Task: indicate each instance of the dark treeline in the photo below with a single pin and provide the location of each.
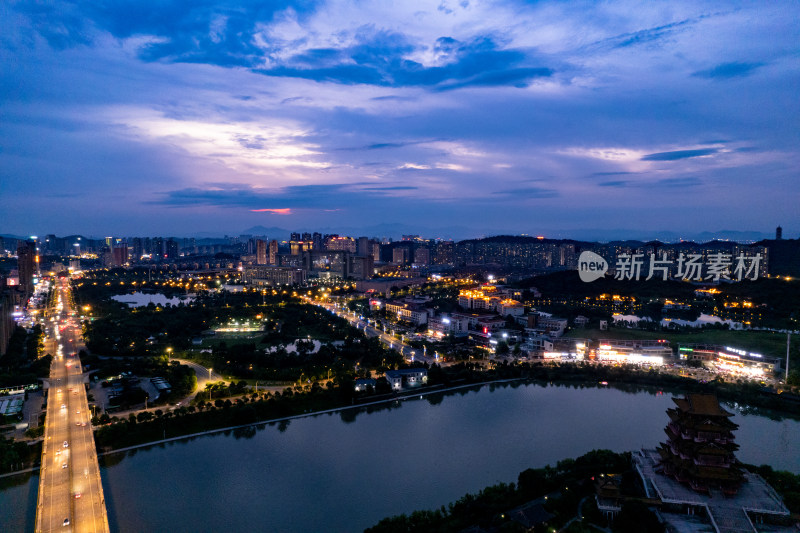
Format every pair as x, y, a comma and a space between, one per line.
339, 393
17, 455
558, 489
221, 413
22, 363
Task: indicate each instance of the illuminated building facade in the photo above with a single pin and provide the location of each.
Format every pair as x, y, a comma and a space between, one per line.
400, 255
272, 275
422, 256
344, 244
440, 326
119, 255
406, 377
273, 252
641, 352
261, 252
27, 261
730, 360
408, 312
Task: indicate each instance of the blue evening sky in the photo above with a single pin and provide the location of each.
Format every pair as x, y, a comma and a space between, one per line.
182, 116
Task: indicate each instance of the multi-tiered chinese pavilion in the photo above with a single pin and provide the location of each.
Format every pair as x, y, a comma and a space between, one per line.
700, 446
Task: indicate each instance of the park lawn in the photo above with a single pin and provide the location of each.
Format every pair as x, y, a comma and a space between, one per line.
764, 342
232, 339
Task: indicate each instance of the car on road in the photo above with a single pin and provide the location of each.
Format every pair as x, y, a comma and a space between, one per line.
77, 495
63, 465
66, 521
66, 444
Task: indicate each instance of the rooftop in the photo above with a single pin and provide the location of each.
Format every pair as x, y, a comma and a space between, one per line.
701, 404
728, 514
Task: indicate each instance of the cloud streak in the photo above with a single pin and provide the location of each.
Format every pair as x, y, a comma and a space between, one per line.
680, 154
729, 70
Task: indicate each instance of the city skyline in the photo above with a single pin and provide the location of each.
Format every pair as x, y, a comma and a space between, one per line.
492, 117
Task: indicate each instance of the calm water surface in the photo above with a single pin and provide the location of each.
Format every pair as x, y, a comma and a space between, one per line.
346, 471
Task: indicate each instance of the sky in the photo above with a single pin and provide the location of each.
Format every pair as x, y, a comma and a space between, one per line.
178, 117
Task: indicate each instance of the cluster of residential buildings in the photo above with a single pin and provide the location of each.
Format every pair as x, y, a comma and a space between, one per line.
366, 257
483, 317
374, 263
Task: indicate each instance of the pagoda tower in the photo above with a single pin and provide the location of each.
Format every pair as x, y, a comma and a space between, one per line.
700, 445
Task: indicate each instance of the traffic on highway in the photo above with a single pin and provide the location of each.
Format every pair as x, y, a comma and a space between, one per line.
70, 491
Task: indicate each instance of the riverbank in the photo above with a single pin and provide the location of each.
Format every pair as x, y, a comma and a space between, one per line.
399, 397
130, 434
396, 457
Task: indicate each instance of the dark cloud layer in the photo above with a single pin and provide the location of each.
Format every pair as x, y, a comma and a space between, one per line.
504, 114
729, 70
679, 154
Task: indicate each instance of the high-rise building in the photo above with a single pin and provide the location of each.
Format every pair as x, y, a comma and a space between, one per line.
106, 256
422, 256
6, 318
778, 233
27, 262
444, 253
189, 245
157, 248
400, 255
119, 255
273, 252
363, 246
171, 250
337, 243
138, 249
261, 252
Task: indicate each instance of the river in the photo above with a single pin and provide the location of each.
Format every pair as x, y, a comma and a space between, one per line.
346, 471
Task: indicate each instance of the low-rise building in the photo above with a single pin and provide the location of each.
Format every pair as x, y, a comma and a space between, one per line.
448, 325
406, 378
273, 275
510, 307
363, 383
647, 352
414, 313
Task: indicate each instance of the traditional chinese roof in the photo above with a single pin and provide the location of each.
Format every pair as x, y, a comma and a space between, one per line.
701, 404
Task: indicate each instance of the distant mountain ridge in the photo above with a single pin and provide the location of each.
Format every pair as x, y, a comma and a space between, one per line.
458, 233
